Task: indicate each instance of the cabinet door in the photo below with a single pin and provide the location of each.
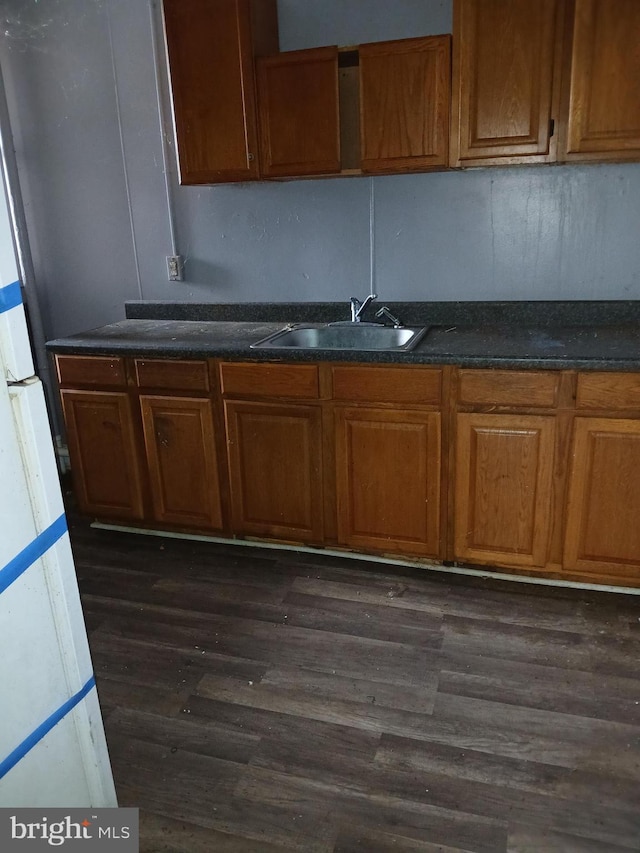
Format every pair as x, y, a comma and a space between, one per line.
603, 529
103, 453
275, 470
504, 466
181, 458
405, 90
299, 112
505, 56
388, 479
604, 86
210, 50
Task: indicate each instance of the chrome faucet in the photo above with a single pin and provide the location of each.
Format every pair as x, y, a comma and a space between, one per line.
357, 307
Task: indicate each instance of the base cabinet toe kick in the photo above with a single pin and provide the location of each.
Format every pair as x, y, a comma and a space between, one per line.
529, 472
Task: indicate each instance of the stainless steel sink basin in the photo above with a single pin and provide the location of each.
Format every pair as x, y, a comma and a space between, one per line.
344, 336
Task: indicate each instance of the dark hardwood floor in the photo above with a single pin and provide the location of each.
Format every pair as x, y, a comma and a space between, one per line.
258, 701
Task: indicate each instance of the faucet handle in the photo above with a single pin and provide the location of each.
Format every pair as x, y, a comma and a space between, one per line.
384, 312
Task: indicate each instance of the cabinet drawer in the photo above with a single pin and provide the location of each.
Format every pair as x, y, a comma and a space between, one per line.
173, 375
387, 384
508, 388
608, 391
298, 381
90, 370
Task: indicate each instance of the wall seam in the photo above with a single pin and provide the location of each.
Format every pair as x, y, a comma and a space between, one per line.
125, 171
162, 121
372, 238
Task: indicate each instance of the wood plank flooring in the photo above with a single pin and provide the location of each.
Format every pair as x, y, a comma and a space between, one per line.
260, 701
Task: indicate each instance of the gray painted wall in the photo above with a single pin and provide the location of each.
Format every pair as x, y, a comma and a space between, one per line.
81, 84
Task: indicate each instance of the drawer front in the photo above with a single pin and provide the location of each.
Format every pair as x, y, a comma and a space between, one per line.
90, 370
297, 381
608, 391
508, 388
173, 375
387, 385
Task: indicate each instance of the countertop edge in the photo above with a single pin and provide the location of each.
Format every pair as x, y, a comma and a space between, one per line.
245, 353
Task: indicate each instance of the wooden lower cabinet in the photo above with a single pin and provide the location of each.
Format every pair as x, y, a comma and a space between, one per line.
603, 516
181, 460
388, 479
103, 453
357, 455
503, 490
275, 469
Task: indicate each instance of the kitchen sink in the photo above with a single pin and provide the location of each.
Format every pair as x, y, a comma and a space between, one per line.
344, 336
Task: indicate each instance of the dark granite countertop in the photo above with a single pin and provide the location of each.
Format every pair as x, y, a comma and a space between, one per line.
591, 336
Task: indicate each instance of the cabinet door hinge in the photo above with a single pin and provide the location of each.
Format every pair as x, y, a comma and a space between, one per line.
552, 127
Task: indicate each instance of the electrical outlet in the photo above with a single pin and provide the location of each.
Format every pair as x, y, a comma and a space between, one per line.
174, 267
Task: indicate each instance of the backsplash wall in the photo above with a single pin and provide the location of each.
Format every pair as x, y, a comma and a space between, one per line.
81, 83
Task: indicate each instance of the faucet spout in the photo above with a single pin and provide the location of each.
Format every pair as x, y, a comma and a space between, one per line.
358, 308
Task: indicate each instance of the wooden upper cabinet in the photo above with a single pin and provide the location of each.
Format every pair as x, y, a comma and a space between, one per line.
505, 80
211, 45
299, 112
405, 93
532, 81
602, 94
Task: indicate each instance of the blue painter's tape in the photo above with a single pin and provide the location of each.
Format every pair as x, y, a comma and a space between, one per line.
44, 728
10, 296
32, 552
